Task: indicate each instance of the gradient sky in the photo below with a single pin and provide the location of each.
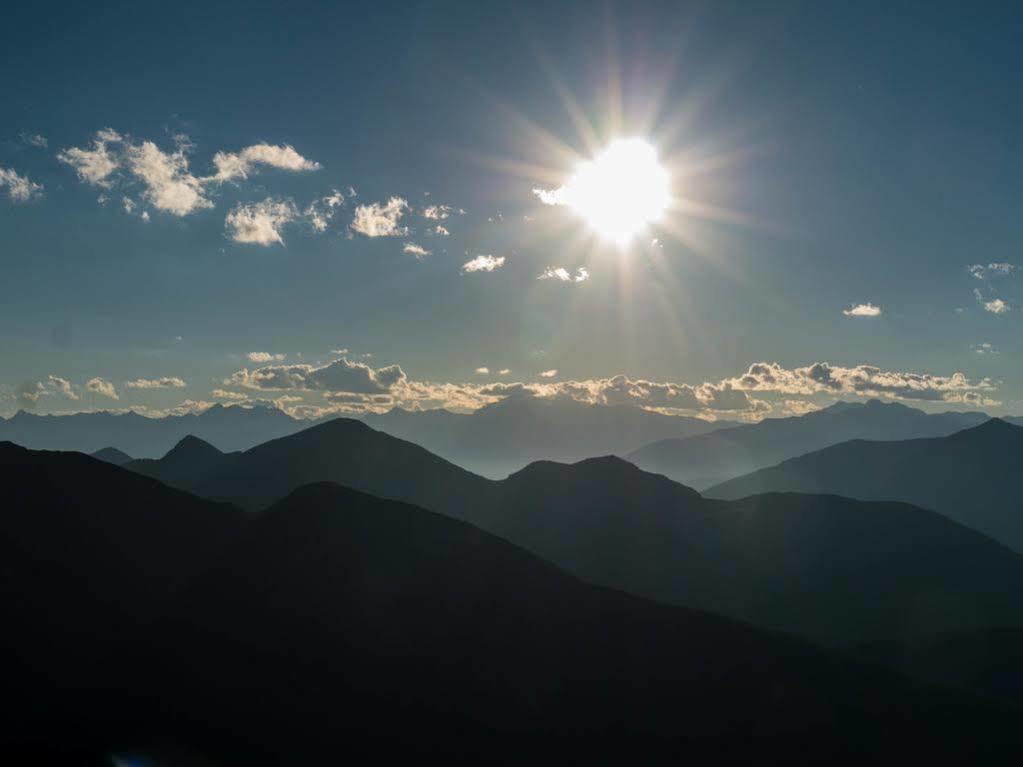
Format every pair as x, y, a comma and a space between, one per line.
829, 156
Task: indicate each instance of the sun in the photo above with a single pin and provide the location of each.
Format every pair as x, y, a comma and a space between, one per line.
620, 192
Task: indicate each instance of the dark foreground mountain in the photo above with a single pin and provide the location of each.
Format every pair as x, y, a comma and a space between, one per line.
969, 476
708, 459
112, 455
501, 438
337, 625
229, 428
829, 568
989, 662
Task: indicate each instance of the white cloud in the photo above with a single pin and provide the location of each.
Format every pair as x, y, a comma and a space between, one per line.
94, 166
238, 165
862, 380
228, 395
101, 386
862, 310
320, 212
260, 223
437, 212
998, 269
166, 179
441, 231
985, 348
169, 186
380, 219
484, 263
339, 375
19, 188
483, 371
415, 250
799, 407
62, 386
167, 382
995, 305
261, 357
563, 275
352, 388
503, 371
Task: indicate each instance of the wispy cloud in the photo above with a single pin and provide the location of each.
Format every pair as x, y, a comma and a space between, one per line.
167, 182
994, 305
34, 139
862, 310
95, 165
19, 188
102, 386
240, 165
262, 357
320, 212
415, 250
437, 212
381, 219
260, 223
483, 263
167, 382
560, 274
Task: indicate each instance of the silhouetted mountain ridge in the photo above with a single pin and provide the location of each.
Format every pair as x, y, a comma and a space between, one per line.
708, 459
969, 476
232, 427
335, 620
777, 560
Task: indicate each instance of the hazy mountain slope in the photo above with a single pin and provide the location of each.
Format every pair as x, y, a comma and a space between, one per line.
229, 428
112, 455
794, 562
711, 458
503, 437
969, 476
336, 622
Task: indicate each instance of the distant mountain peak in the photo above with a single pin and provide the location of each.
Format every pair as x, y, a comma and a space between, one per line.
988, 429
192, 448
112, 455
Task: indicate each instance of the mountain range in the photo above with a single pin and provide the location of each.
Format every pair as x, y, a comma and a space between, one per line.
505, 436
232, 427
833, 569
968, 476
339, 624
708, 459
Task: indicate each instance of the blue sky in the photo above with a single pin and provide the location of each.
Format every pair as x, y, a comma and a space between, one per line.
829, 157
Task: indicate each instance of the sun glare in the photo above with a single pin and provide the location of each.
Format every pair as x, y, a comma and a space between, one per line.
620, 192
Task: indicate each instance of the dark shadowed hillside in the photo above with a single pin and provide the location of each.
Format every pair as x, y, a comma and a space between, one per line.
969, 476
392, 619
336, 622
91, 551
501, 438
786, 561
229, 428
711, 458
